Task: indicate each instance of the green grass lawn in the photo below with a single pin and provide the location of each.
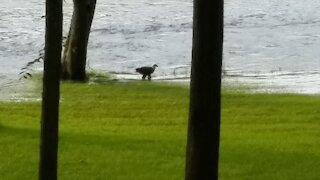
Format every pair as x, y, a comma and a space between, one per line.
137, 131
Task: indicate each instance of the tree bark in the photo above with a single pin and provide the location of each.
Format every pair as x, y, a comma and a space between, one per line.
75, 51
205, 89
51, 92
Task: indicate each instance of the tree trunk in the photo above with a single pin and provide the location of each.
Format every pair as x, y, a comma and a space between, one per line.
75, 51
51, 92
205, 99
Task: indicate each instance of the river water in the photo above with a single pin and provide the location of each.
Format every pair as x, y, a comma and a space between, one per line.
270, 44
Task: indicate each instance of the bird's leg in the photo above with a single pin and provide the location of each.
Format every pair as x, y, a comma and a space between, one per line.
149, 76
144, 77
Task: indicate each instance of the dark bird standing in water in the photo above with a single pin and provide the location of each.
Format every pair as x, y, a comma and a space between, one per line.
146, 71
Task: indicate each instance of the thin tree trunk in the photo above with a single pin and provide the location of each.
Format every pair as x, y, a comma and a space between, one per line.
51, 92
205, 99
75, 51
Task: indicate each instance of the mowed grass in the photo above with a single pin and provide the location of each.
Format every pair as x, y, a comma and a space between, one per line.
137, 131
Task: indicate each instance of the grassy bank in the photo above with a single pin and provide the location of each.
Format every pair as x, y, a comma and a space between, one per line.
137, 131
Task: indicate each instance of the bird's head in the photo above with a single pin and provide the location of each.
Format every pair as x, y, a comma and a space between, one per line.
154, 66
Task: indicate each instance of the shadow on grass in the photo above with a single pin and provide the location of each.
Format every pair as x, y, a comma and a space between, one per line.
120, 152
111, 142
16, 131
260, 163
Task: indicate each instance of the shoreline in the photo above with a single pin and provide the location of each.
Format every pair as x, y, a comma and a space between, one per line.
15, 90
254, 83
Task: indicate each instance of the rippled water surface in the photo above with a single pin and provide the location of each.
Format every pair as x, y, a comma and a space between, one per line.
273, 44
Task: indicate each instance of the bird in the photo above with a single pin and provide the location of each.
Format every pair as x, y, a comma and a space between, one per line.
146, 71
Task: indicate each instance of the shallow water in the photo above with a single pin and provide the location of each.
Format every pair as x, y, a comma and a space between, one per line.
271, 44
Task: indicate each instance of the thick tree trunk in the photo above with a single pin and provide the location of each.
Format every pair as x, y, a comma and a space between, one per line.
75, 51
205, 99
51, 92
